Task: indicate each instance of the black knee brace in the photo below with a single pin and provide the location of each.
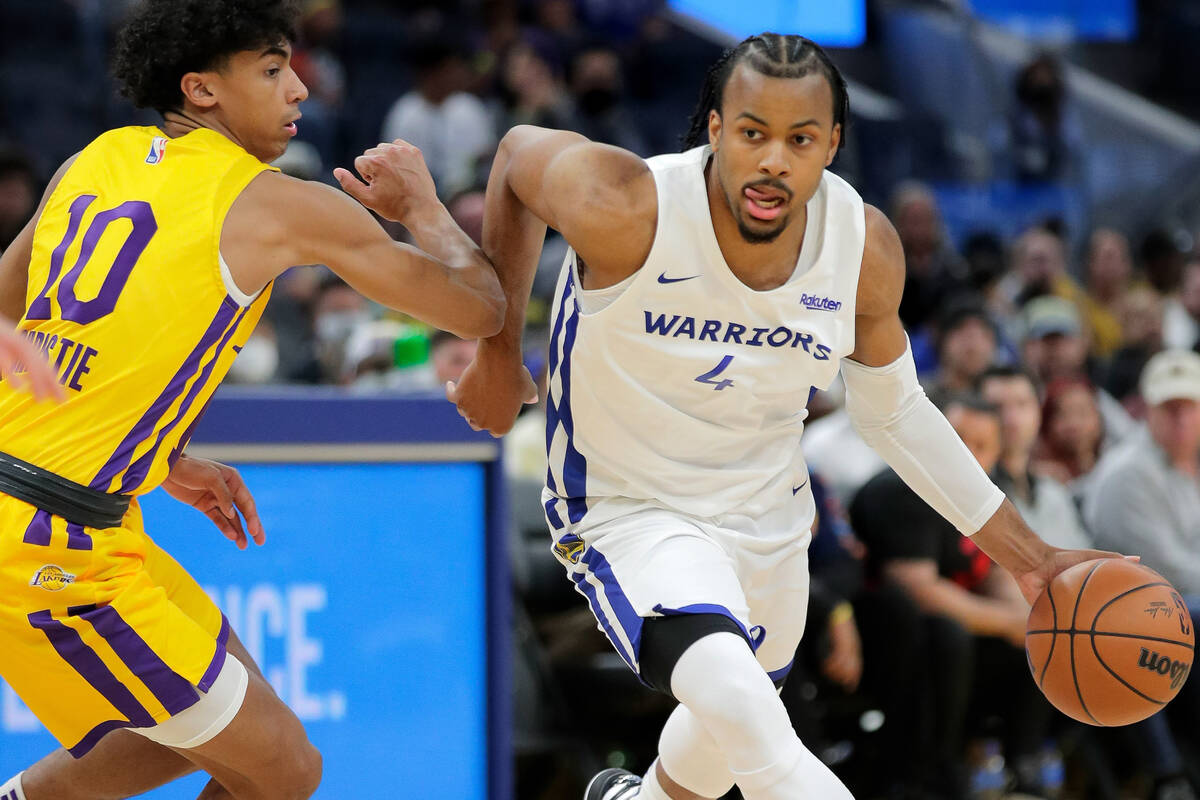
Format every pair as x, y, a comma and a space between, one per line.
664, 640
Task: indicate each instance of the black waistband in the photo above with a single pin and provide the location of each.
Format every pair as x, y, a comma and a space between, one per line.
59, 496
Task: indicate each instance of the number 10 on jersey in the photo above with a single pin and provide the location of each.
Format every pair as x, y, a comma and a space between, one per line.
710, 376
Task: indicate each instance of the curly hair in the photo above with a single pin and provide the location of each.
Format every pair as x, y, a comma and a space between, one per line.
163, 40
774, 55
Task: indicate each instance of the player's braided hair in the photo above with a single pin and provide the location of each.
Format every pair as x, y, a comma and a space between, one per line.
163, 40
774, 55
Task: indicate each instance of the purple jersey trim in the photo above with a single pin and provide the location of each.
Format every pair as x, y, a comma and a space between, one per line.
93, 737
218, 660
141, 431
139, 469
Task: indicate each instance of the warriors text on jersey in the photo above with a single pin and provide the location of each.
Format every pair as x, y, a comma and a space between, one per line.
681, 386
127, 299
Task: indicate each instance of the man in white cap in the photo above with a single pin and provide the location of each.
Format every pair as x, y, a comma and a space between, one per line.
1146, 495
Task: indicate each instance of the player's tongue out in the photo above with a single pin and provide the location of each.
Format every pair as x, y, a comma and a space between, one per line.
764, 204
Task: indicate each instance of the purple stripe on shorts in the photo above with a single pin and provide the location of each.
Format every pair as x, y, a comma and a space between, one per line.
77, 538
169, 687
70, 646
141, 431
713, 608
137, 472
218, 661
93, 737
38, 532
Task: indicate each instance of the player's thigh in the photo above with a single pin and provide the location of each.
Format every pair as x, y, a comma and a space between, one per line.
653, 564
777, 593
263, 749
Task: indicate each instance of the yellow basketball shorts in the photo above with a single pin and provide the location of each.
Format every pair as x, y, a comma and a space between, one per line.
100, 629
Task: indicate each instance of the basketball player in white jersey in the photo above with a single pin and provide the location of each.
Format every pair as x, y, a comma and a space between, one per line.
705, 296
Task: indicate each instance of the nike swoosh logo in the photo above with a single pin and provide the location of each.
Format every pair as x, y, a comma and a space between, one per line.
664, 279
796, 489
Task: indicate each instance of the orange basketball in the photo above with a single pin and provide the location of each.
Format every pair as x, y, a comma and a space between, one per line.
1109, 642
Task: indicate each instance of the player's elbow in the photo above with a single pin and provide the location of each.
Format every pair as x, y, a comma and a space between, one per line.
486, 317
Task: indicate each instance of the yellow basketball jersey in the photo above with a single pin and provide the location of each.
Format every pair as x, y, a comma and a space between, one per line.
126, 298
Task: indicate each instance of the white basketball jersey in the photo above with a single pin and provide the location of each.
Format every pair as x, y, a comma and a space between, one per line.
688, 389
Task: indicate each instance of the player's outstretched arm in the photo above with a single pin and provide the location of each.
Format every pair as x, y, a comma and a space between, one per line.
892, 414
279, 222
603, 201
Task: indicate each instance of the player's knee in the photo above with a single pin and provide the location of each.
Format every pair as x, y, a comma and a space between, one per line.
297, 773
666, 639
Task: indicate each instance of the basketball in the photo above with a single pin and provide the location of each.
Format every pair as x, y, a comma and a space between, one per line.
1109, 642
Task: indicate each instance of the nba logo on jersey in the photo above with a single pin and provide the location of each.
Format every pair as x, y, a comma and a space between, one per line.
158, 150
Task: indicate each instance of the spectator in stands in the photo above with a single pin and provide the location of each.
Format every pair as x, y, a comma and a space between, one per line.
1108, 268
449, 356
1145, 498
338, 313
1072, 433
934, 271
597, 92
317, 64
975, 612
1141, 317
967, 345
530, 91
1163, 258
451, 126
1044, 503
1040, 268
19, 193
466, 208
1146, 495
1046, 142
1054, 346
1189, 295
558, 24
291, 314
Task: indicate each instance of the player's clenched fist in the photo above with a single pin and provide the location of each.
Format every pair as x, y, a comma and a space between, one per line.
491, 391
395, 181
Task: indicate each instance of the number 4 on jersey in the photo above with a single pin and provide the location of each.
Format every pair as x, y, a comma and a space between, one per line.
713, 373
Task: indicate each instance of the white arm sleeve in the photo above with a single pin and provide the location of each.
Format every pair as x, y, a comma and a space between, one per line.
890, 411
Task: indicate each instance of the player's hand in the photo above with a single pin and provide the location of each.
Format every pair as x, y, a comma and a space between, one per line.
844, 663
395, 181
491, 391
219, 492
35, 372
1034, 581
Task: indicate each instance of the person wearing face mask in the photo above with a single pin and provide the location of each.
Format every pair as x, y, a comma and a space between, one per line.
599, 111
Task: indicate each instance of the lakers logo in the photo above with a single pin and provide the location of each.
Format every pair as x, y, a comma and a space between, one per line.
52, 578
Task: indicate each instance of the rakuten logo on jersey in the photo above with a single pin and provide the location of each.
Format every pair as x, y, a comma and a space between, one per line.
815, 303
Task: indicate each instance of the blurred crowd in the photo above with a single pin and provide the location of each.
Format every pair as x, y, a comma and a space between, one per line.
1071, 372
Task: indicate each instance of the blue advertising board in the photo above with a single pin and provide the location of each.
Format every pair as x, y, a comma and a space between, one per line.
367, 609
837, 24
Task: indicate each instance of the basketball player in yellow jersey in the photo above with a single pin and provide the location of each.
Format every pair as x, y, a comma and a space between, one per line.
143, 272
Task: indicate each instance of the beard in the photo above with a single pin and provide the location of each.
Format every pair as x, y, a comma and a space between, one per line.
752, 236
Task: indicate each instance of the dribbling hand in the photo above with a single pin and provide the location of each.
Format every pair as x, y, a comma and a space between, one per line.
36, 373
1034, 581
395, 181
219, 492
